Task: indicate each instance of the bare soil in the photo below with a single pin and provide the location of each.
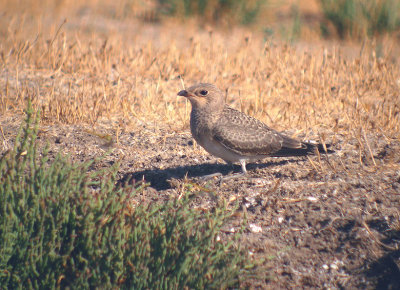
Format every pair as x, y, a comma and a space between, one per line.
319, 222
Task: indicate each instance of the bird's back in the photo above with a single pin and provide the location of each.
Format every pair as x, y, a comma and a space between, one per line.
245, 134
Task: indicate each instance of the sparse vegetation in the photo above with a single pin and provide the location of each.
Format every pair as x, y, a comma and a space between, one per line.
105, 80
360, 18
215, 11
61, 226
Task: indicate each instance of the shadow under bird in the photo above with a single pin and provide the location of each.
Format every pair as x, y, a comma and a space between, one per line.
234, 136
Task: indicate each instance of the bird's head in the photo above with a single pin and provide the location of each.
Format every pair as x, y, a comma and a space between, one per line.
204, 96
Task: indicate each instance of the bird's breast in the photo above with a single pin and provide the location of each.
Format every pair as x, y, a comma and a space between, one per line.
217, 149
200, 124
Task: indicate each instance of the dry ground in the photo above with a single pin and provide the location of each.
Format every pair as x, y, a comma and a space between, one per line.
104, 84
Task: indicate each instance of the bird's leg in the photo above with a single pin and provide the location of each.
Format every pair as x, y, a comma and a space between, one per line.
243, 164
235, 175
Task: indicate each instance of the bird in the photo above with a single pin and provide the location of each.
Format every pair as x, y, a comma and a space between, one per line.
234, 136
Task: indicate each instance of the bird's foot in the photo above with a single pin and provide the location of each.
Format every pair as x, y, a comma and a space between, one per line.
233, 176
210, 176
221, 177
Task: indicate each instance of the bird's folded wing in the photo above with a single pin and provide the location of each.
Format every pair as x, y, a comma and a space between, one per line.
248, 140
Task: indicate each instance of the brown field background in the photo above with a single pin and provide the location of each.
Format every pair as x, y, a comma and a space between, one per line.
114, 64
78, 65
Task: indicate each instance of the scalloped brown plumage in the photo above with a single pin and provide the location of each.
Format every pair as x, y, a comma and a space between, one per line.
234, 136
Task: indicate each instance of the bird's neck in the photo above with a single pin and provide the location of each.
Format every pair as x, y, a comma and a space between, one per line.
206, 114
202, 121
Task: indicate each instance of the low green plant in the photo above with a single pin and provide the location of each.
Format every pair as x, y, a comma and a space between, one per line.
360, 18
63, 226
229, 11
292, 31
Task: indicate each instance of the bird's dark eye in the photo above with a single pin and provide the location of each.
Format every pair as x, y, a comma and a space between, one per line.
203, 92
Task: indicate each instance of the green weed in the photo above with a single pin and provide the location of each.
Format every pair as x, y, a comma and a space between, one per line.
360, 18
229, 11
61, 226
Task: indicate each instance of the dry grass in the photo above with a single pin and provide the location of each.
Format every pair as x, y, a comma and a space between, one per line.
103, 67
92, 68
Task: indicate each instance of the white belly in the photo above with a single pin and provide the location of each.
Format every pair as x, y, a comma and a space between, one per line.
216, 149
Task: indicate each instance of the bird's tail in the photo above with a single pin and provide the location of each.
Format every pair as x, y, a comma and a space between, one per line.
305, 149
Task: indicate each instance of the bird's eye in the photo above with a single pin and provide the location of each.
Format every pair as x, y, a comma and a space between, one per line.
203, 92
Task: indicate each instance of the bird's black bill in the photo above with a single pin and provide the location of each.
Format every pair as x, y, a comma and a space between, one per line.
183, 93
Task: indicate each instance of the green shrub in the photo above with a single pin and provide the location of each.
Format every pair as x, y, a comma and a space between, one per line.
61, 226
229, 11
359, 18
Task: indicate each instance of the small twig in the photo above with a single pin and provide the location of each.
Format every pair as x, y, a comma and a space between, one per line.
275, 188
326, 155
57, 32
369, 148
377, 240
53, 39
5, 144
312, 163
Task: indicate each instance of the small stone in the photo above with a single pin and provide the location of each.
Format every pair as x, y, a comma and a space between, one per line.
312, 199
255, 228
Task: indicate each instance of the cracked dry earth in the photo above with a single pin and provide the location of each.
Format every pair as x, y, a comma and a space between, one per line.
328, 222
